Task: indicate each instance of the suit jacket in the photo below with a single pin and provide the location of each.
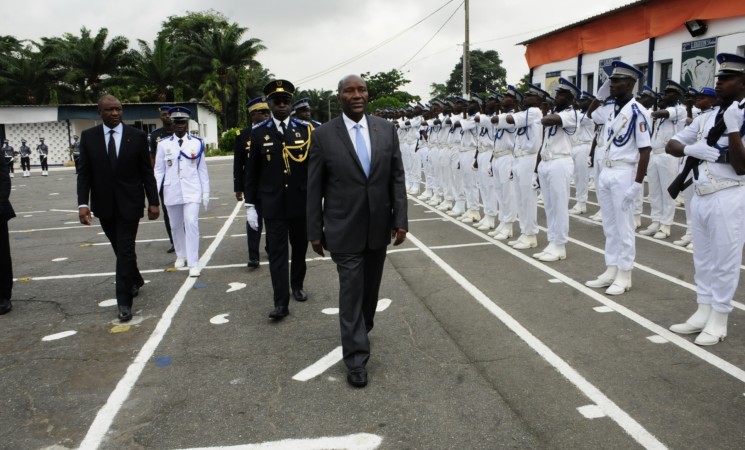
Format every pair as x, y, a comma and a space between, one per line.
276, 171
121, 192
346, 209
6, 209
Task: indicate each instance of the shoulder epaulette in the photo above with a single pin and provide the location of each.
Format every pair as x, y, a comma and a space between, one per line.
300, 122
267, 123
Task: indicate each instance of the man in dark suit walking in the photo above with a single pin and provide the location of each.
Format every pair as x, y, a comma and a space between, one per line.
115, 175
6, 265
356, 205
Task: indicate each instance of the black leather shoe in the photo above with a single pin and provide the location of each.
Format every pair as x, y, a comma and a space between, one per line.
253, 264
125, 313
357, 377
171, 250
299, 295
135, 291
5, 306
279, 313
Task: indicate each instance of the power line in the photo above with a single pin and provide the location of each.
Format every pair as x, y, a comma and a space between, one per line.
433, 36
368, 51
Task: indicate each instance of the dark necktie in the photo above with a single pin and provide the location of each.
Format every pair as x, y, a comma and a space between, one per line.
284, 127
112, 149
180, 141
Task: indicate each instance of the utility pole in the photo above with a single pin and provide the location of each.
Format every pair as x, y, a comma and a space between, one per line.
466, 59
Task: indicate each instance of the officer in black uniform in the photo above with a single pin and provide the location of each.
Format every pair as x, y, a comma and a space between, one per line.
43, 151
276, 178
6, 264
75, 147
301, 110
9, 153
258, 111
156, 136
25, 152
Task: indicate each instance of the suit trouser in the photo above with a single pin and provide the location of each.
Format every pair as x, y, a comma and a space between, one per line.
253, 237
525, 196
359, 283
11, 164
504, 188
121, 234
581, 171
26, 163
44, 162
277, 232
166, 218
487, 184
618, 224
554, 177
6, 265
718, 228
661, 172
185, 222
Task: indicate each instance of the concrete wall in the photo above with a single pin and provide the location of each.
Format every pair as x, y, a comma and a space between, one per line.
54, 134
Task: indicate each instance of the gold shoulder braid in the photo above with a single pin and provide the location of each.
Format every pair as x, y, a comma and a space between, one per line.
302, 151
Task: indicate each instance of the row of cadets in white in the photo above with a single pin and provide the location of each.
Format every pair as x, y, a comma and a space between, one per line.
182, 172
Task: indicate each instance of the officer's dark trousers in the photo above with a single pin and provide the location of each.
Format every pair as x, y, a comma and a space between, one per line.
277, 232
25, 163
11, 164
122, 234
43, 161
254, 238
6, 265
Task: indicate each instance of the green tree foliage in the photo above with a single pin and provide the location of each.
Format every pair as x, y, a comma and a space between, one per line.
26, 75
522, 85
486, 73
153, 70
324, 104
384, 90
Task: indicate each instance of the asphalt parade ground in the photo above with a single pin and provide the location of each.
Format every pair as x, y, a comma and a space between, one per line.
476, 345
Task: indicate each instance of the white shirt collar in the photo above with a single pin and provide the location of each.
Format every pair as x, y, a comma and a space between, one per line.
349, 123
117, 129
277, 122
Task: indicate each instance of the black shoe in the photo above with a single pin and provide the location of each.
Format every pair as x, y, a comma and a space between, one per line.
253, 264
357, 377
171, 250
299, 295
279, 312
136, 288
5, 306
125, 313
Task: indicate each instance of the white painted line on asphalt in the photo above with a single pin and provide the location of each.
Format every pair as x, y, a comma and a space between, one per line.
320, 366
235, 287
54, 337
684, 344
32, 230
626, 422
59, 259
554, 280
591, 411
657, 339
383, 304
54, 193
63, 210
603, 309
107, 303
361, 441
220, 319
426, 220
105, 416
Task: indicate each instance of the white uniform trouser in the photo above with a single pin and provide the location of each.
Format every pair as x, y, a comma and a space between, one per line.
415, 168
433, 159
446, 170
487, 184
525, 196
468, 179
718, 227
581, 171
687, 195
504, 188
554, 176
185, 230
661, 172
423, 154
406, 151
618, 225
456, 183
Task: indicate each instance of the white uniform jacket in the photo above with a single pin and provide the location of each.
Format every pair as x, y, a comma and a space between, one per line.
181, 171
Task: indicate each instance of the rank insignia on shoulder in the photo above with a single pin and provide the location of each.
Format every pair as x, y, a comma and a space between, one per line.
297, 135
300, 141
266, 137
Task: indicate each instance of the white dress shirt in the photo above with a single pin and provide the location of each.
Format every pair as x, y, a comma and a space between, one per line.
349, 123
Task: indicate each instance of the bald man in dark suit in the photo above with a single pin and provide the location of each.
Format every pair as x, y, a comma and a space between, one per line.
356, 206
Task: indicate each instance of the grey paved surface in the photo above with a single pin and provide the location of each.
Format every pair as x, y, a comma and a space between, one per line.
480, 347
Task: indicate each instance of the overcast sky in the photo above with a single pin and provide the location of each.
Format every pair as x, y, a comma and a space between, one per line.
304, 38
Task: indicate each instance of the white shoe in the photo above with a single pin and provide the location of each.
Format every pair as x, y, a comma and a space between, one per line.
503, 231
679, 200
684, 240
598, 216
621, 284
195, 271
689, 246
445, 205
458, 210
180, 262
470, 217
695, 323
605, 279
715, 329
653, 228
45, 173
487, 223
663, 232
426, 195
27, 174
11, 175
637, 221
553, 252
525, 241
578, 208
435, 200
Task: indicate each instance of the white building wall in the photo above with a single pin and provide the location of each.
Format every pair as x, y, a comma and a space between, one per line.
208, 126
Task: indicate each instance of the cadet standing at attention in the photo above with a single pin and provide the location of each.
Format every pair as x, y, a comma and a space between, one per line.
156, 136
9, 154
25, 151
276, 178
43, 151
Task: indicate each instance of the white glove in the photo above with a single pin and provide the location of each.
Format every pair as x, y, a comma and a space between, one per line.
701, 151
733, 118
630, 196
205, 199
604, 91
536, 184
252, 217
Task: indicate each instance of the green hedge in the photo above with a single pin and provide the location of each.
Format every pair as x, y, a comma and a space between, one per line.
227, 140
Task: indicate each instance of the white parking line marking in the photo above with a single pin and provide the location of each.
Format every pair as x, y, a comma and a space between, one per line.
626, 422
591, 411
107, 303
320, 366
220, 319
361, 441
603, 309
54, 337
657, 339
235, 287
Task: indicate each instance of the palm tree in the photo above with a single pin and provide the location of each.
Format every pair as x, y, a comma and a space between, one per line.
26, 77
224, 51
153, 70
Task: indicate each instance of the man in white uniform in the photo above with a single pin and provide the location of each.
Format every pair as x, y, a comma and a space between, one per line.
664, 167
718, 206
555, 167
469, 144
626, 149
581, 142
503, 162
486, 179
181, 170
599, 112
